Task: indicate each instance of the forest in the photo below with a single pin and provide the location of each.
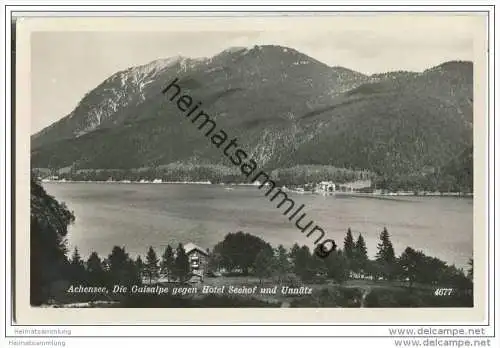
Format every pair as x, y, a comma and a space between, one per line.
455, 176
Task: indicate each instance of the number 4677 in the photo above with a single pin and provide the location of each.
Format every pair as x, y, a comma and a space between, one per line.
443, 292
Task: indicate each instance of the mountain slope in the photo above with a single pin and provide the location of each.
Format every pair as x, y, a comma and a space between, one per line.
284, 107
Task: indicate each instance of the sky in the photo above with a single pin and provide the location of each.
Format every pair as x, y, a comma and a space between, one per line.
67, 64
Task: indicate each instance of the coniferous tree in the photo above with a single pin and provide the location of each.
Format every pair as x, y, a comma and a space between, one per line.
77, 267
349, 245
151, 267
121, 267
167, 262
117, 259
385, 248
76, 259
282, 263
360, 255
93, 263
139, 266
214, 260
385, 255
182, 267
95, 270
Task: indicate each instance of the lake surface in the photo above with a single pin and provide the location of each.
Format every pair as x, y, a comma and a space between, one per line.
139, 215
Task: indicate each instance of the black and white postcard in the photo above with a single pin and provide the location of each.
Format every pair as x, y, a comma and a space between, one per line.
262, 168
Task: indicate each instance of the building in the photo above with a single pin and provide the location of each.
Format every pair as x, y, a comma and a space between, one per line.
198, 259
325, 187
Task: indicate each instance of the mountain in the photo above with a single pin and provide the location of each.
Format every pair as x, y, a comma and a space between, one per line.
284, 107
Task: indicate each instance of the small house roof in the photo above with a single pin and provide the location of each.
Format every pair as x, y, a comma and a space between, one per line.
189, 247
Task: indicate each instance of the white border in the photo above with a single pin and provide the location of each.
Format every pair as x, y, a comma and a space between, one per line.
225, 330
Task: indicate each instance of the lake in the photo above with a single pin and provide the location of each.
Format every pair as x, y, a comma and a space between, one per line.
139, 215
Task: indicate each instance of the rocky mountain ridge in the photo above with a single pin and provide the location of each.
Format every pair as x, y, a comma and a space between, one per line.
285, 107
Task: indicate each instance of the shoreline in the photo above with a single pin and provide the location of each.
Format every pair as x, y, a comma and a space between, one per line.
336, 193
